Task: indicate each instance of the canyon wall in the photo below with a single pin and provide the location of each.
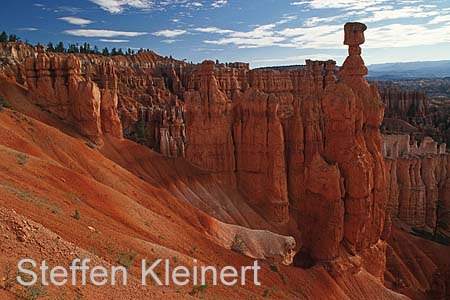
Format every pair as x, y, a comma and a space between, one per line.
404, 104
302, 145
418, 179
413, 112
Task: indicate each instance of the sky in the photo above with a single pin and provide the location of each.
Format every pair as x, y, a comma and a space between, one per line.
261, 32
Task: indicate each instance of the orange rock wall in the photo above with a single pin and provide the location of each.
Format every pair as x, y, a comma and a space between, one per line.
302, 145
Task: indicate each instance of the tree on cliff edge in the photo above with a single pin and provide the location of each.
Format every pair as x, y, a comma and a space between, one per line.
3, 37
13, 38
60, 48
50, 47
141, 132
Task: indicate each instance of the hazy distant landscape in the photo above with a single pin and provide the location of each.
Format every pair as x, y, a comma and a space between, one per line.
410, 70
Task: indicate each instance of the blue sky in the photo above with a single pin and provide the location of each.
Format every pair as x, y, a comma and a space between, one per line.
262, 32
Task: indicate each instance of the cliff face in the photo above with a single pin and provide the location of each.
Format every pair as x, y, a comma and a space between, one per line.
404, 104
57, 86
303, 145
298, 144
418, 179
411, 111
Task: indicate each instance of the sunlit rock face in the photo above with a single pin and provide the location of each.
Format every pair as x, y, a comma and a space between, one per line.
302, 145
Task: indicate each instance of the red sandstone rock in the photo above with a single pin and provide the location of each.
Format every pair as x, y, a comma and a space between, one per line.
417, 180
301, 144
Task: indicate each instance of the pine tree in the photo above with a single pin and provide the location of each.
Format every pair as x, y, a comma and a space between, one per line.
113, 52
60, 47
50, 47
141, 132
120, 52
13, 38
3, 37
105, 51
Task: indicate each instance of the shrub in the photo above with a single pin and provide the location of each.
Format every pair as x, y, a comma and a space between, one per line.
274, 267
33, 293
196, 290
4, 104
238, 245
7, 281
126, 259
266, 294
76, 215
22, 158
141, 132
90, 145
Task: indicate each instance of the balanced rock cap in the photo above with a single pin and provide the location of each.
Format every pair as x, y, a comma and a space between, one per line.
354, 33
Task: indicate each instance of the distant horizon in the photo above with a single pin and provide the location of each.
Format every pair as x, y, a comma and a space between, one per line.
232, 61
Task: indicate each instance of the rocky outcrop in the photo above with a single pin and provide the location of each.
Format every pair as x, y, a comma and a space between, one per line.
412, 111
300, 144
57, 86
405, 104
303, 145
418, 179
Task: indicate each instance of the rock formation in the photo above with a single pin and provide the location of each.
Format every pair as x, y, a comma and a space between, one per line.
56, 85
413, 112
302, 145
298, 144
405, 104
418, 178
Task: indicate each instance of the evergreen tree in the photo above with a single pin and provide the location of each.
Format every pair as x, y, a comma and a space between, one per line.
105, 51
113, 52
120, 52
141, 132
73, 48
3, 37
60, 48
13, 38
50, 47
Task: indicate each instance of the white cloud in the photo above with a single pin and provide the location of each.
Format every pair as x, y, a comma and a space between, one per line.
113, 41
312, 32
347, 4
261, 36
170, 33
102, 33
213, 30
195, 4
243, 42
313, 21
300, 3
170, 41
404, 35
440, 19
401, 13
28, 29
118, 6
76, 21
219, 3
